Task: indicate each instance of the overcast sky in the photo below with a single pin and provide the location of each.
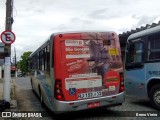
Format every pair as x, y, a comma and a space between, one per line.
35, 20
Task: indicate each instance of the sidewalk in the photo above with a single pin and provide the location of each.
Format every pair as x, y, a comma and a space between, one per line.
13, 102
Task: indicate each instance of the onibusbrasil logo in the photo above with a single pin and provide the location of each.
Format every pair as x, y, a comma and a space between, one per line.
21, 114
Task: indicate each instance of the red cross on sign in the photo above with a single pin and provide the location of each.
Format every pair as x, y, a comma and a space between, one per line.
8, 37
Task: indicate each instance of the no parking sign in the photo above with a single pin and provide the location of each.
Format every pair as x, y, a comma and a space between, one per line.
8, 37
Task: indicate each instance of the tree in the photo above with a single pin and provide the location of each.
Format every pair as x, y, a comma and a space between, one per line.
23, 64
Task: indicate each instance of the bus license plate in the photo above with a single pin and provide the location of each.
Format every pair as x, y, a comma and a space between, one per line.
90, 95
93, 105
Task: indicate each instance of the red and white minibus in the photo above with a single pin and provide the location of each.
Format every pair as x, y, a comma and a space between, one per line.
78, 70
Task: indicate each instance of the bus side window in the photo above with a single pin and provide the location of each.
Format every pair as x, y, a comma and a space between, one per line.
48, 58
154, 47
135, 52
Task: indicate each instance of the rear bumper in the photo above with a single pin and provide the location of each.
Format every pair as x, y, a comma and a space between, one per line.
67, 106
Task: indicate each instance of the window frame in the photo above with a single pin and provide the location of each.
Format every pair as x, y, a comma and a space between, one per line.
139, 64
149, 50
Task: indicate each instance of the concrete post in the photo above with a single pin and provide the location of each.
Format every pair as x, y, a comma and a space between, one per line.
7, 79
7, 65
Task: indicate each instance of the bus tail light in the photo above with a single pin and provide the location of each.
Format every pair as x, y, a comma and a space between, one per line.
58, 90
121, 87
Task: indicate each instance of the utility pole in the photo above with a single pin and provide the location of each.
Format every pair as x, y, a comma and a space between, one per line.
7, 65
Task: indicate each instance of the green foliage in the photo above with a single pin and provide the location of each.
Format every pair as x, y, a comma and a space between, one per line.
23, 64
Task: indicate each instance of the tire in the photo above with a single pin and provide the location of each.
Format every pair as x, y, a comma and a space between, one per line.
154, 96
31, 84
41, 97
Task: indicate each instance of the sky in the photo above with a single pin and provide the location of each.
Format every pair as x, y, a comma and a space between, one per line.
36, 20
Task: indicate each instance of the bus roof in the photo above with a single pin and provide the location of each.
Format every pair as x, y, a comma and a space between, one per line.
72, 32
65, 32
144, 32
39, 48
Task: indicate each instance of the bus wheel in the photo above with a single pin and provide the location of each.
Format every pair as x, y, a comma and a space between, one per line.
155, 96
41, 97
32, 84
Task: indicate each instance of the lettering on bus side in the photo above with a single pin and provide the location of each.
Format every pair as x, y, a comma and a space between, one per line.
154, 72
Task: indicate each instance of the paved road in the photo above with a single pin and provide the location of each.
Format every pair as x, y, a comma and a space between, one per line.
28, 101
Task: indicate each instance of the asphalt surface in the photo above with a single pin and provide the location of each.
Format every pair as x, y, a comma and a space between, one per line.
28, 101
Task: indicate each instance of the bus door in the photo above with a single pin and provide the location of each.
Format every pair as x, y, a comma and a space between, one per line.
135, 69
